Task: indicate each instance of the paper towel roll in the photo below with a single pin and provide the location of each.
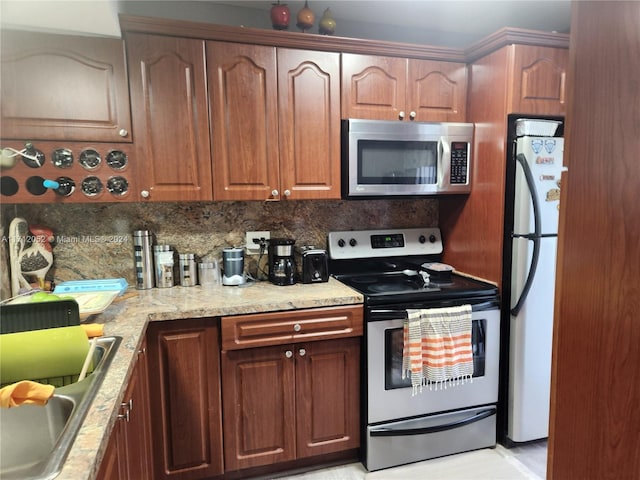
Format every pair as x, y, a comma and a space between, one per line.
53, 352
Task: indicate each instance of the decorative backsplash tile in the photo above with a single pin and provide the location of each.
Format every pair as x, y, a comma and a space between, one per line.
94, 241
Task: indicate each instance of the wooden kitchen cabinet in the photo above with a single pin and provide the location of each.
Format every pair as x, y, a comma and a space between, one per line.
170, 115
63, 88
393, 88
296, 399
275, 129
512, 79
128, 455
184, 392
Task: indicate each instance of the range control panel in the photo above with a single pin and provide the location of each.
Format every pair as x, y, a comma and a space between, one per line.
48, 172
384, 243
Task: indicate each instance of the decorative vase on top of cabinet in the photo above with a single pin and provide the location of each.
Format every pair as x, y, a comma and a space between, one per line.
405, 89
275, 130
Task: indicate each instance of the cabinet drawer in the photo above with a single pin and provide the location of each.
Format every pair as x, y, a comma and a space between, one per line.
263, 329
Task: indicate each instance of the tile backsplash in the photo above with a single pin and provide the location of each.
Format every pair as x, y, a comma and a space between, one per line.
94, 241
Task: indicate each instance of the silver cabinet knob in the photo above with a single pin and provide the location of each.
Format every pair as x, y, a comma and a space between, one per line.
297, 327
123, 132
288, 354
144, 193
412, 115
275, 192
302, 352
287, 193
401, 115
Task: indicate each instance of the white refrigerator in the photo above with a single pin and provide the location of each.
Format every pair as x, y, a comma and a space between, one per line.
538, 168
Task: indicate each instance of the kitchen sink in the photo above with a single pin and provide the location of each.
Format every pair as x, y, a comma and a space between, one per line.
35, 440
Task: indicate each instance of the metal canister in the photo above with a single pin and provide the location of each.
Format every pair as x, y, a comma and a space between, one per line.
188, 275
143, 258
164, 265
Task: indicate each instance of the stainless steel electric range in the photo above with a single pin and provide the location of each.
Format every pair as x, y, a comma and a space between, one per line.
389, 268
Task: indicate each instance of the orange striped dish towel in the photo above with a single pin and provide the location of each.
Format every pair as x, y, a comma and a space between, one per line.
437, 347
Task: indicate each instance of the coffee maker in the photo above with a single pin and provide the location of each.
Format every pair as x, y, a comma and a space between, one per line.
282, 263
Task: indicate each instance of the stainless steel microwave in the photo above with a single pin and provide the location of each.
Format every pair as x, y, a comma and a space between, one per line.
392, 158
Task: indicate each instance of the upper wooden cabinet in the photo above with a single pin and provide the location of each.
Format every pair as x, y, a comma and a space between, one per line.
391, 88
538, 79
275, 129
513, 79
64, 88
170, 116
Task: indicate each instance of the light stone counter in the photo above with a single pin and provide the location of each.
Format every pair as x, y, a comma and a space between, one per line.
127, 317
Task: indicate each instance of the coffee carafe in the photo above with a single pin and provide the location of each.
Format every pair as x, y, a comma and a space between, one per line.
282, 263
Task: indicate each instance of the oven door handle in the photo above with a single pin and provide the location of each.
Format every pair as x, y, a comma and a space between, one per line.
390, 432
392, 314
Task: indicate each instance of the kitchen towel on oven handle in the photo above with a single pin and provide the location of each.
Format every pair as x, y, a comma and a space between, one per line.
437, 347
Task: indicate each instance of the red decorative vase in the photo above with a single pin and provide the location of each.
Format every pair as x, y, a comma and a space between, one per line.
280, 16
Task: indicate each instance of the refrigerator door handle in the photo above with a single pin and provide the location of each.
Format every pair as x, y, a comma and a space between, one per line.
535, 237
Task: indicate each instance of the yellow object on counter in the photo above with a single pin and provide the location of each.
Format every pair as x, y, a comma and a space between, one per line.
25, 392
39, 354
93, 329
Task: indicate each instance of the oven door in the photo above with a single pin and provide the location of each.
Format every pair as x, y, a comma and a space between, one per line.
389, 396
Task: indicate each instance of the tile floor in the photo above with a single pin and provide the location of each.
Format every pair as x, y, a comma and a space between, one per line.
526, 462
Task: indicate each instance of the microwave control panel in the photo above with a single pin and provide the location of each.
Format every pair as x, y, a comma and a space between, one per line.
459, 163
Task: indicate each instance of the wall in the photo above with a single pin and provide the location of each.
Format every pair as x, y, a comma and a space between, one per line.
94, 241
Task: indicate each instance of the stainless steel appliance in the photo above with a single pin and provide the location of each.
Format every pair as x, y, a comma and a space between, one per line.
398, 427
533, 175
389, 158
315, 266
233, 266
282, 262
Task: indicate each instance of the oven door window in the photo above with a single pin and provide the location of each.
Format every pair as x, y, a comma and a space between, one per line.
393, 354
382, 162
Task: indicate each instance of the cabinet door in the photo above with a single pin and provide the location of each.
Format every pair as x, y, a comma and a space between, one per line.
327, 396
539, 80
259, 406
62, 87
137, 424
184, 392
437, 91
170, 116
373, 87
244, 121
113, 465
309, 123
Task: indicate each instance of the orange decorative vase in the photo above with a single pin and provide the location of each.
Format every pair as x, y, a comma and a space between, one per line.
305, 17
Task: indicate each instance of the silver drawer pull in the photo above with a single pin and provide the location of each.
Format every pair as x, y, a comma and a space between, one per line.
288, 354
302, 352
297, 327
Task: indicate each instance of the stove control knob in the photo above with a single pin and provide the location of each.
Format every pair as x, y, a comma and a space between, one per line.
353, 242
422, 239
341, 243
432, 238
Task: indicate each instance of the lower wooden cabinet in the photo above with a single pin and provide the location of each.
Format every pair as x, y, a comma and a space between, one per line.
128, 453
291, 401
184, 391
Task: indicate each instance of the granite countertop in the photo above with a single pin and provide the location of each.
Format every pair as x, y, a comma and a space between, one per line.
127, 317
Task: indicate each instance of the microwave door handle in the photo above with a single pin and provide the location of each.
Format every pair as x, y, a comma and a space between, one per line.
444, 149
444, 155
